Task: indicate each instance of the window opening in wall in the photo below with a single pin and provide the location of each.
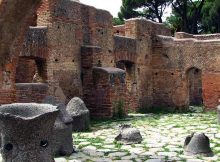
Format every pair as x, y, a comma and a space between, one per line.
31, 70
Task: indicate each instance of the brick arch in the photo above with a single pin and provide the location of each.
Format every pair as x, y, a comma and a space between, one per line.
126, 57
191, 68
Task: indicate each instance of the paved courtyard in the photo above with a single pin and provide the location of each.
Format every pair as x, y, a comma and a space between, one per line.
163, 136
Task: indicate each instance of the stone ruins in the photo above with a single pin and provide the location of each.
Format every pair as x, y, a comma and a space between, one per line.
66, 49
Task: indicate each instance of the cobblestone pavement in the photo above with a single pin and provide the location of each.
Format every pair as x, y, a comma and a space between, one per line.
163, 138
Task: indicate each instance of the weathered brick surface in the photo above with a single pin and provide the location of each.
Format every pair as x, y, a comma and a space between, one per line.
119, 30
181, 55
7, 96
25, 71
108, 88
211, 89
71, 43
31, 92
182, 35
15, 17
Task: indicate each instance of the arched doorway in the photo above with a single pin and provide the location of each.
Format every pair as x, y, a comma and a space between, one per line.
194, 76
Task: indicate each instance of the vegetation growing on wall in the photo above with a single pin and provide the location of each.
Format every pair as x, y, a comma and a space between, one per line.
119, 109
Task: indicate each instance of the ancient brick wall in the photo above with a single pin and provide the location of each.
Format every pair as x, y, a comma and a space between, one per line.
183, 35
171, 60
107, 90
25, 71
71, 25
119, 30
211, 88
70, 43
136, 46
31, 92
13, 25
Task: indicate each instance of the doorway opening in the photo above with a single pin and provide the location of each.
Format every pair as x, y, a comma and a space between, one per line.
194, 76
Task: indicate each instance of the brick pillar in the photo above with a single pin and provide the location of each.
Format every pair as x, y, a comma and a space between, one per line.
107, 91
90, 57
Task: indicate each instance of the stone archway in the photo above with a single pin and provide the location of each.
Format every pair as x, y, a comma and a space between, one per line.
194, 79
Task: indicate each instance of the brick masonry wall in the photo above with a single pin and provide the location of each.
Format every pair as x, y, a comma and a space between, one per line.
26, 68
107, 90
14, 23
31, 92
211, 89
71, 25
119, 30
171, 60
7, 96
159, 63
183, 35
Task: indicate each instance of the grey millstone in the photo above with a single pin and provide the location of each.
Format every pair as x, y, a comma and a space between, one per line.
128, 135
50, 100
26, 130
79, 113
197, 144
218, 110
62, 133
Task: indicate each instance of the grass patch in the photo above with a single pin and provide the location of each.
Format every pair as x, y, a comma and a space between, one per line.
95, 140
118, 145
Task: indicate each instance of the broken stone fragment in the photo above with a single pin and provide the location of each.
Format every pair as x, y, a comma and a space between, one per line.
79, 113
197, 144
128, 135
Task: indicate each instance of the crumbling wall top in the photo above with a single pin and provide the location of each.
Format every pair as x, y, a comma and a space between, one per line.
183, 35
142, 28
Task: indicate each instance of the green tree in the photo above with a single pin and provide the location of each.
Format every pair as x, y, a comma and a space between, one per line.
150, 9
210, 22
174, 23
189, 12
117, 21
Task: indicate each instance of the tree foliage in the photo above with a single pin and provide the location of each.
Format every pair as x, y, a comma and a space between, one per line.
210, 22
150, 9
188, 15
117, 21
191, 16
